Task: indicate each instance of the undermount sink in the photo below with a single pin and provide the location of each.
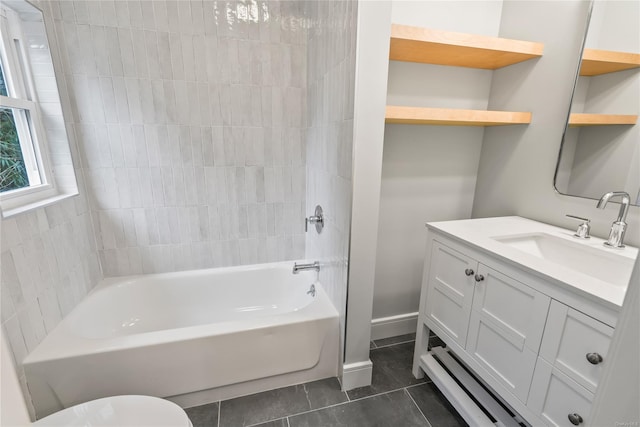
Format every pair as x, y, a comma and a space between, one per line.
598, 262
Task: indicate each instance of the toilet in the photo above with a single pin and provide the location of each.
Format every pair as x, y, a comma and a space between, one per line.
127, 410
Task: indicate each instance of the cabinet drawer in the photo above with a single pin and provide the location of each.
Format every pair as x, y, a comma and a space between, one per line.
556, 397
573, 341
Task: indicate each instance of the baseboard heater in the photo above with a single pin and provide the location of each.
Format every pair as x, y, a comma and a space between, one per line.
471, 399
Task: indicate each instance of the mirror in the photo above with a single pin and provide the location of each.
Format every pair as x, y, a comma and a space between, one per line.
600, 149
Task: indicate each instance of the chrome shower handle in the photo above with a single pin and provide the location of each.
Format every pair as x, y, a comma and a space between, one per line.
317, 219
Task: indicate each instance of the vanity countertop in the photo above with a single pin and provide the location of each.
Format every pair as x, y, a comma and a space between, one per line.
595, 261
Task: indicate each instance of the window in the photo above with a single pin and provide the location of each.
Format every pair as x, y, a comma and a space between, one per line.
24, 165
27, 178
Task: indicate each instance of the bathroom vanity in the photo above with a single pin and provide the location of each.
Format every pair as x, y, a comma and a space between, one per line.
528, 308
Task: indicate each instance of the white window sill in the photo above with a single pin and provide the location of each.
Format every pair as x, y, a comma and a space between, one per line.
7, 213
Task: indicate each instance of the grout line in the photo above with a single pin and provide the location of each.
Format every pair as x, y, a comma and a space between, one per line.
349, 400
339, 404
300, 413
372, 343
393, 344
259, 423
419, 384
419, 410
311, 410
382, 392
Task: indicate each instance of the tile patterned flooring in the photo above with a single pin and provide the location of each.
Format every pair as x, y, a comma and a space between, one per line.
395, 399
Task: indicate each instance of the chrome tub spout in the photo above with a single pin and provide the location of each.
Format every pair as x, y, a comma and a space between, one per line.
303, 267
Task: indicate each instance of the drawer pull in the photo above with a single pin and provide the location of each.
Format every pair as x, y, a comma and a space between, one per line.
594, 358
469, 272
479, 277
575, 419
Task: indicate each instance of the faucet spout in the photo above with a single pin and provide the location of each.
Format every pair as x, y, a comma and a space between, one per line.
624, 205
618, 228
297, 268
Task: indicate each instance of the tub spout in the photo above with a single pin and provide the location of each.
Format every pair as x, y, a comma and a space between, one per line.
302, 267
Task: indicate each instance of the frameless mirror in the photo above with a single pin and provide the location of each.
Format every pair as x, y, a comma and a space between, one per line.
600, 150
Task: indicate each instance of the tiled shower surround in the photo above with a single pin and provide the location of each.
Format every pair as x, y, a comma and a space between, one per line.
331, 79
202, 133
190, 117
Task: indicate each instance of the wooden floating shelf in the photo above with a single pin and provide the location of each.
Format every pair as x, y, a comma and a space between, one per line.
428, 46
453, 117
580, 119
596, 62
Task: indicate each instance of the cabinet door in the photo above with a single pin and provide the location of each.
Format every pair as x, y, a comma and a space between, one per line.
576, 344
505, 329
450, 294
558, 399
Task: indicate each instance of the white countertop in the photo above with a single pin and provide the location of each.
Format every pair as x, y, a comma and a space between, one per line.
481, 233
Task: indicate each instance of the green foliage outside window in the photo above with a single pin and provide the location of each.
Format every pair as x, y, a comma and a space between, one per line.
12, 171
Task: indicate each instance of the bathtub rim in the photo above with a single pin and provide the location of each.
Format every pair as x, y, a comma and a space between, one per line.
62, 342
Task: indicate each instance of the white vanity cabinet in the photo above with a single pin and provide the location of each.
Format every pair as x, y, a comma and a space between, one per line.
522, 334
496, 318
505, 329
573, 353
451, 285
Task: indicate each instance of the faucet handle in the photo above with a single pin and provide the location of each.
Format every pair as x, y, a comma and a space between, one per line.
317, 219
583, 229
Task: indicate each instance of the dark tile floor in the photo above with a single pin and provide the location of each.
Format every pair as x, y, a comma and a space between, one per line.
395, 399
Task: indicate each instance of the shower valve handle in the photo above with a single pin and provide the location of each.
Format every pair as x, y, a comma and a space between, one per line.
317, 219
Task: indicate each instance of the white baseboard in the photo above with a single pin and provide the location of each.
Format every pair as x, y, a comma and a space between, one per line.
392, 326
356, 375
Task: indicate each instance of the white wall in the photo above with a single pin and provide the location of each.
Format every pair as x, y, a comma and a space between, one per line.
617, 396
428, 172
517, 164
49, 260
373, 29
14, 410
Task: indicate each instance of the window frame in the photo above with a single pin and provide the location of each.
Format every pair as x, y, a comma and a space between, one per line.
31, 133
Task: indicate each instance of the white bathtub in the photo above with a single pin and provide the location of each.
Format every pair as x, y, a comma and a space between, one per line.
193, 337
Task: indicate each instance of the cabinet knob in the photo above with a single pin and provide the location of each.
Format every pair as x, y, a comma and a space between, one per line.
479, 277
594, 358
469, 272
575, 419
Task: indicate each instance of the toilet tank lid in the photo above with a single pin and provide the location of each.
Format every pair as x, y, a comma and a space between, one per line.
127, 410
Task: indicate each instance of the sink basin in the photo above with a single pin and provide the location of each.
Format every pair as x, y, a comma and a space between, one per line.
598, 262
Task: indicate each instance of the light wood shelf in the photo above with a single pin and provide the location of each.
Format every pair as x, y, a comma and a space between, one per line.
596, 62
453, 117
428, 46
581, 119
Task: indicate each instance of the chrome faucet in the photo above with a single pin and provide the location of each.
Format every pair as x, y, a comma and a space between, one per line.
619, 226
297, 268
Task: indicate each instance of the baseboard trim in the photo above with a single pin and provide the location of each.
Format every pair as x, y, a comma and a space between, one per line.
392, 326
356, 375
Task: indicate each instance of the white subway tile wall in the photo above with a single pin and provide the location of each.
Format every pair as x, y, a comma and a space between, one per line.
190, 119
202, 133
330, 88
48, 257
